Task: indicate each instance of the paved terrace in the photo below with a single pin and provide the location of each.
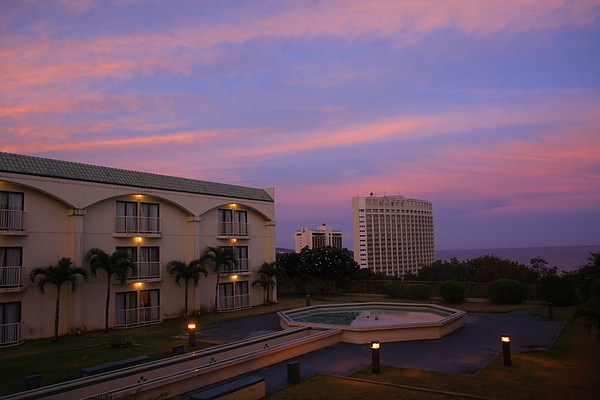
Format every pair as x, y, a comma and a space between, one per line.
464, 352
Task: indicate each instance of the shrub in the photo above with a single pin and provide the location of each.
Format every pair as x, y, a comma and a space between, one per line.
505, 291
557, 290
452, 291
418, 291
394, 290
117, 343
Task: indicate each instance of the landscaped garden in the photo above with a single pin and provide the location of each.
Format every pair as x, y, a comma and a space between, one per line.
569, 369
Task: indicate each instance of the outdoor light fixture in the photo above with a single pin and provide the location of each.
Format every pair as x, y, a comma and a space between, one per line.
138, 239
138, 284
192, 333
375, 364
233, 240
234, 277
506, 349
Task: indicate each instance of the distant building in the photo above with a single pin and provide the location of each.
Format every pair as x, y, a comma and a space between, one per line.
323, 236
392, 234
51, 209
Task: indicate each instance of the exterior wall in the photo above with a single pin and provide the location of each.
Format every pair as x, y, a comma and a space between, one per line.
66, 218
392, 235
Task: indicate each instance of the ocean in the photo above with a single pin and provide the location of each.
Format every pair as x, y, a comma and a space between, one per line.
567, 258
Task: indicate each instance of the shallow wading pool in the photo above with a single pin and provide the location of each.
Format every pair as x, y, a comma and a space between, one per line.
385, 322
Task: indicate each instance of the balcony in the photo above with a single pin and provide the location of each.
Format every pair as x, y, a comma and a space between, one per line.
10, 279
240, 269
226, 230
146, 272
137, 316
232, 303
126, 226
10, 334
11, 222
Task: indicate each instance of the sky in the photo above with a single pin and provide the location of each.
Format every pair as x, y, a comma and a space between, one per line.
488, 109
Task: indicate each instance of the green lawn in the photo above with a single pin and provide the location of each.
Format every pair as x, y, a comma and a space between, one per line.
570, 364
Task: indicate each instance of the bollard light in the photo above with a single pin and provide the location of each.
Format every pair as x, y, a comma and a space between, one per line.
506, 350
192, 333
375, 363
550, 311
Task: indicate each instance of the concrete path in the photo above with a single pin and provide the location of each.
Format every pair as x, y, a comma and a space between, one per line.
464, 352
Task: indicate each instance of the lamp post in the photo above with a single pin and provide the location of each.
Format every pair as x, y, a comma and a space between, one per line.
506, 349
192, 333
375, 364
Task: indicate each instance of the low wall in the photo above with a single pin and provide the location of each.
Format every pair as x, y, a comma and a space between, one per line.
191, 371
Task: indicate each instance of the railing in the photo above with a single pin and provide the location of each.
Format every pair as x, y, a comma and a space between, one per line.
11, 220
232, 229
237, 302
10, 334
146, 270
137, 316
137, 225
10, 277
241, 268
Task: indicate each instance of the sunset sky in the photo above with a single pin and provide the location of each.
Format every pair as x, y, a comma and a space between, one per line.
489, 109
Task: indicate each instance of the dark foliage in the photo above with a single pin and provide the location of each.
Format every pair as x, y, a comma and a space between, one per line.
505, 291
452, 291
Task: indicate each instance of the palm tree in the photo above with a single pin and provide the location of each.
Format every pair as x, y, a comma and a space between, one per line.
266, 283
223, 261
58, 275
117, 263
589, 312
270, 271
186, 272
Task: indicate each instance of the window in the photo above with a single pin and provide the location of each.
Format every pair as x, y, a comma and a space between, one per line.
234, 296
11, 211
10, 266
128, 313
146, 260
137, 218
232, 223
10, 323
242, 253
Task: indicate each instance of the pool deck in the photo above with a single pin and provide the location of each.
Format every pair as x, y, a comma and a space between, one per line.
464, 352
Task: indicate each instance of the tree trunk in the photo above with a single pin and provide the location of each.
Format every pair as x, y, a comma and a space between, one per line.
107, 306
56, 312
185, 306
217, 295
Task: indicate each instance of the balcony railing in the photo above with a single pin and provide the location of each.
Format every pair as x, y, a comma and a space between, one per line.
241, 268
137, 225
137, 316
145, 270
10, 334
11, 220
237, 302
10, 277
232, 229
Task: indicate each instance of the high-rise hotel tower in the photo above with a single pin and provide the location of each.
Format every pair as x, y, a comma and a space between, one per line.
392, 234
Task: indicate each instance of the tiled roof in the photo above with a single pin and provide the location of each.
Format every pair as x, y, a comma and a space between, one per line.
28, 165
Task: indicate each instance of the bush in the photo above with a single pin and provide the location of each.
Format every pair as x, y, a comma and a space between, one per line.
505, 291
557, 290
117, 343
394, 290
418, 291
452, 291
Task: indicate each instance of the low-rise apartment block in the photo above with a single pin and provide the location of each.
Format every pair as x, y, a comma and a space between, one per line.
51, 209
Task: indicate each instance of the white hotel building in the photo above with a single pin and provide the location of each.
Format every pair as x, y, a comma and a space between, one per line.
323, 236
51, 209
392, 234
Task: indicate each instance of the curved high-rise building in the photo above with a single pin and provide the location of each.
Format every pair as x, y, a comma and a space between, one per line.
392, 234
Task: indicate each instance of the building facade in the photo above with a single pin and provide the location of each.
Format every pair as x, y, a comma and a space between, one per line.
392, 234
51, 209
323, 236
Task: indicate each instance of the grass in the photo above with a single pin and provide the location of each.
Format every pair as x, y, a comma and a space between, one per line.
571, 366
